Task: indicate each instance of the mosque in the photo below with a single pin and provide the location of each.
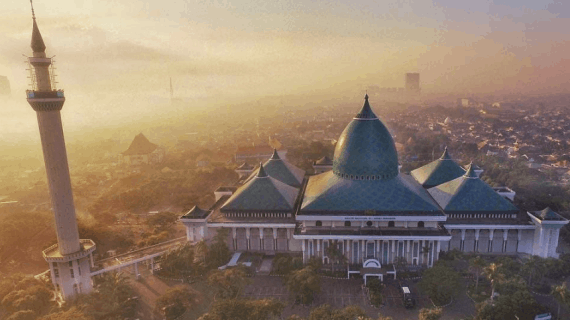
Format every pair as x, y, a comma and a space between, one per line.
361, 203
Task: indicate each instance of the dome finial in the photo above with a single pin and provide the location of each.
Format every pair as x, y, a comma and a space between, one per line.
366, 96
470, 172
275, 155
261, 173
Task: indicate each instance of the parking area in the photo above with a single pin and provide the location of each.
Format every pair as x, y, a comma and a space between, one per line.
393, 296
341, 293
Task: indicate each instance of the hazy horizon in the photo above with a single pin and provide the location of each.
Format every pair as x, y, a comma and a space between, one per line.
115, 59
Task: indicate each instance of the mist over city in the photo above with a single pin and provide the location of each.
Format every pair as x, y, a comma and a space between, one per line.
284, 159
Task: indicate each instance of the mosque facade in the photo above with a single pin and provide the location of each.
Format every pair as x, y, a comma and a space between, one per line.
364, 206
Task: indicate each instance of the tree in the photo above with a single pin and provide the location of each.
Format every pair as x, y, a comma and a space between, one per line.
23, 315
562, 296
533, 268
519, 305
229, 282
36, 298
334, 254
477, 264
494, 275
219, 253
163, 221
241, 309
174, 302
430, 313
110, 300
71, 314
202, 251
326, 312
440, 282
178, 261
303, 284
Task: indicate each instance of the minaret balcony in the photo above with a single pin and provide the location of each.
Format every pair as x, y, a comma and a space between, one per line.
39, 61
46, 100
52, 254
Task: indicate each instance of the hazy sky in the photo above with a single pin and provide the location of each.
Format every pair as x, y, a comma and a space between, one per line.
114, 57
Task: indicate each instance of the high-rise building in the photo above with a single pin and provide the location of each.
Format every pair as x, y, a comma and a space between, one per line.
413, 82
70, 259
4, 85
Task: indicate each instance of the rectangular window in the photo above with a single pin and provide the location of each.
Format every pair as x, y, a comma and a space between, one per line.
71, 263
79, 269
56, 273
71, 273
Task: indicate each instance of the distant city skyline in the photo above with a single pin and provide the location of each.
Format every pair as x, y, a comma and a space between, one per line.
118, 57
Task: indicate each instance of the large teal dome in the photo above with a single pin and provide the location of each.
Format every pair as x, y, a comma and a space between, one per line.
365, 149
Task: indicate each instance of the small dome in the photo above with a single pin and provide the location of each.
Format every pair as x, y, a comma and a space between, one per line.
366, 148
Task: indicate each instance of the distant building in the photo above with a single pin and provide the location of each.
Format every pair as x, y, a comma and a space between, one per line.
256, 154
141, 151
4, 86
413, 82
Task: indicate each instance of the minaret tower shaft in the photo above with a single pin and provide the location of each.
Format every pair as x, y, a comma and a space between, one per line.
69, 258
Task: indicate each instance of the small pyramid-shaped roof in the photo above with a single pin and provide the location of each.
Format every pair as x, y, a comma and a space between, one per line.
140, 145
262, 193
196, 213
245, 166
283, 171
469, 193
37, 40
547, 214
437, 172
324, 161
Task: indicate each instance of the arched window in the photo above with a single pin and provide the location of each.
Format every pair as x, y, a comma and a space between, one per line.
369, 223
390, 224
421, 224
319, 223
347, 223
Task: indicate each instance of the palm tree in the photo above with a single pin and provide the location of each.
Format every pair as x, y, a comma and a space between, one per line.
494, 275
562, 296
477, 264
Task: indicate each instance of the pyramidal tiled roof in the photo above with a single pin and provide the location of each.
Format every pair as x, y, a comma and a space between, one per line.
547, 214
469, 193
327, 193
140, 145
283, 171
437, 172
262, 193
196, 213
324, 161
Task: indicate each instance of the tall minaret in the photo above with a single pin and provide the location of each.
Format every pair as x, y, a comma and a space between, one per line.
70, 260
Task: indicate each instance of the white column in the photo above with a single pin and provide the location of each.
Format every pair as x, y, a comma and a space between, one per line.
304, 250
91, 259
432, 249
234, 240
274, 239
137, 275
288, 237
409, 252
247, 230
462, 245
393, 250
519, 238
505, 235
476, 245
261, 244
363, 242
348, 245
378, 242
491, 232
438, 249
